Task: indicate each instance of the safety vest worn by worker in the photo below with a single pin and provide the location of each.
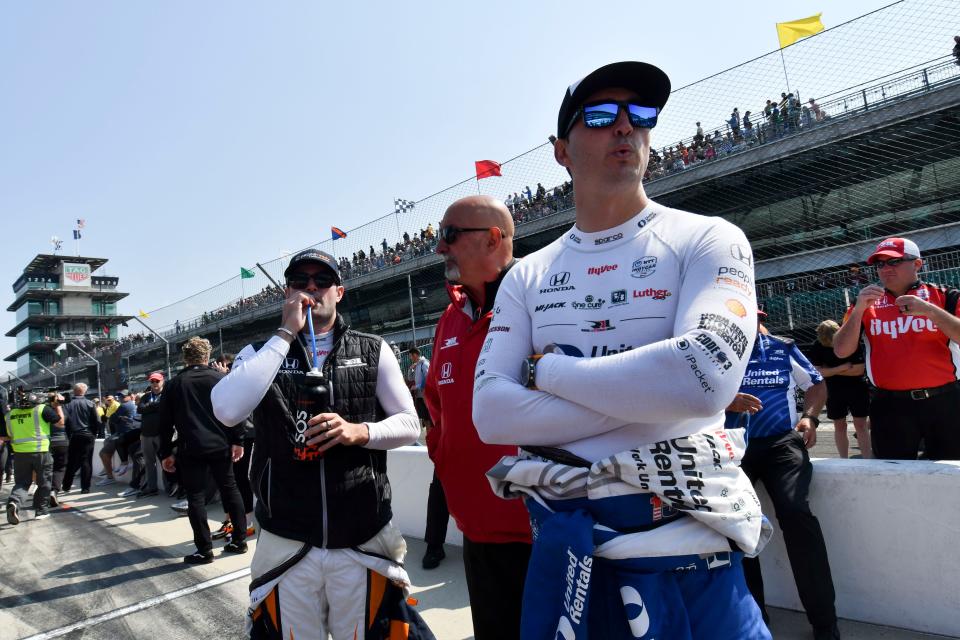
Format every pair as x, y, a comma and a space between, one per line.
29, 432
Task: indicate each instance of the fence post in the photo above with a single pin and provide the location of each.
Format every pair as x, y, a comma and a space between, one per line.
926, 81
864, 94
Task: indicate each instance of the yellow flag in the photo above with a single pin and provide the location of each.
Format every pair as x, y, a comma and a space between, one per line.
790, 32
143, 314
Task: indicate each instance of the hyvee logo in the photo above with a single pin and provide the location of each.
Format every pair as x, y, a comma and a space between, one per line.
656, 294
548, 306
446, 373
901, 325
594, 326
589, 303
605, 240
643, 267
602, 269
742, 254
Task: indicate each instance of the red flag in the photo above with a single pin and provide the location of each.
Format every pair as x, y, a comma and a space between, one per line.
487, 169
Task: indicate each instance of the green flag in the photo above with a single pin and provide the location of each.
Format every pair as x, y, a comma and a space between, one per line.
246, 273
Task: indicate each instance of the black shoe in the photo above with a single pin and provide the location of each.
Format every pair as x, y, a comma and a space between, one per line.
13, 513
235, 547
432, 558
84, 490
42, 515
146, 493
54, 502
827, 633
199, 558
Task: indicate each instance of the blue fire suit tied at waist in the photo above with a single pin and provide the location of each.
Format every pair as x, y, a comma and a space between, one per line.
631, 543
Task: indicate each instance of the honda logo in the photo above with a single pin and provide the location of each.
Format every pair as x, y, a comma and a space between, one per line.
446, 370
741, 253
560, 279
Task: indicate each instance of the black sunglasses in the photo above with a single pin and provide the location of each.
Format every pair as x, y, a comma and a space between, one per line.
604, 113
449, 233
302, 280
892, 262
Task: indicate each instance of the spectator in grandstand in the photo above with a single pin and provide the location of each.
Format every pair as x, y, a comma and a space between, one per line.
83, 422
327, 551
204, 446
734, 122
956, 48
698, 136
149, 408
847, 391
912, 332
777, 455
476, 244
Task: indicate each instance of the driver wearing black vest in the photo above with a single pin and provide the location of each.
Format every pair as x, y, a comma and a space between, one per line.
327, 405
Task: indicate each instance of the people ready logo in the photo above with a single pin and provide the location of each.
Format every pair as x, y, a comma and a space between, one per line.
899, 326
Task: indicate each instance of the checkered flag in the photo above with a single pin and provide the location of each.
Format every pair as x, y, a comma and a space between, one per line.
402, 206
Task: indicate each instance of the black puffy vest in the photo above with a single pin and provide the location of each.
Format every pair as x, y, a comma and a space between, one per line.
342, 499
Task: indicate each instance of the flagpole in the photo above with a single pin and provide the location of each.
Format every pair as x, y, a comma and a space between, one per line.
784, 63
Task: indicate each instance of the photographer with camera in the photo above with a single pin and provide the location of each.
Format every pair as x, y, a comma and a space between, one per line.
325, 414
28, 427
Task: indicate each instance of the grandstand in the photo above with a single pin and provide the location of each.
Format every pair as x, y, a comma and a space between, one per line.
812, 194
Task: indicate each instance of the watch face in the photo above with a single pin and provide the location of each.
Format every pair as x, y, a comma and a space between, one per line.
525, 372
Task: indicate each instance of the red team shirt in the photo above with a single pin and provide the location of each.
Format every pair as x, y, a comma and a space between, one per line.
909, 352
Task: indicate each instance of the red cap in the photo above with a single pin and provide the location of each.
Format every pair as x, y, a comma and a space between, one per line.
156, 375
895, 248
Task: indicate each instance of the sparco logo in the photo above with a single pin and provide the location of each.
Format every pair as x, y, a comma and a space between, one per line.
602, 269
643, 267
548, 306
607, 239
901, 325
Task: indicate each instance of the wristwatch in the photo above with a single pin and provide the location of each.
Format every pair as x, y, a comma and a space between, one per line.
528, 371
814, 419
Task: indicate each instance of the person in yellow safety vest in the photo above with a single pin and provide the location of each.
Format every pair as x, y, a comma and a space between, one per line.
28, 430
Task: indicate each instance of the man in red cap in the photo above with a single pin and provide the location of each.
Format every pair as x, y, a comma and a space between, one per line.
149, 410
911, 333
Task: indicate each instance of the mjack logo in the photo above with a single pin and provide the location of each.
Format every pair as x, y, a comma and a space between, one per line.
599, 352
575, 238
446, 373
618, 297
558, 282
901, 325
594, 326
643, 267
605, 240
589, 303
548, 306
742, 254
602, 269
656, 294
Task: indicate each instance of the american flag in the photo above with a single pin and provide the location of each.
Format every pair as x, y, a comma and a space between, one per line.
402, 206
80, 223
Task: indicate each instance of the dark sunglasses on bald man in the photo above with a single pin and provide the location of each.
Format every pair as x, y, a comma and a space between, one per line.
298, 280
892, 262
450, 233
597, 115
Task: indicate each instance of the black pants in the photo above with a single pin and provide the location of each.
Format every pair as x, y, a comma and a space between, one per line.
495, 575
193, 473
79, 458
783, 465
24, 466
59, 454
241, 473
898, 424
437, 515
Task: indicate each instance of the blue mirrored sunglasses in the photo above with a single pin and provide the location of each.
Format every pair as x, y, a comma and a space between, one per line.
597, 115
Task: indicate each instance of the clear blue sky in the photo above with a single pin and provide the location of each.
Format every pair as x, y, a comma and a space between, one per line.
196, 137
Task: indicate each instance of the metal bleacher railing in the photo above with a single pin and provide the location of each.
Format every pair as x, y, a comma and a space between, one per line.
888, 56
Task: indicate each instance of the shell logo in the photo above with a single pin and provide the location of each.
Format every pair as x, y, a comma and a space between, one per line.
736, 307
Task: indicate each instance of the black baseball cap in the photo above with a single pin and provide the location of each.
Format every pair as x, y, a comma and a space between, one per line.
649, 82
314, 256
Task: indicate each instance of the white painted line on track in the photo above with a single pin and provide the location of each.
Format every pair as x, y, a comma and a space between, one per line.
140, 606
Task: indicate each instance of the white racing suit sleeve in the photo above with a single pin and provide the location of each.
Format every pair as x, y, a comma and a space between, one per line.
239, 392
504, 411
714, 327
401, 426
